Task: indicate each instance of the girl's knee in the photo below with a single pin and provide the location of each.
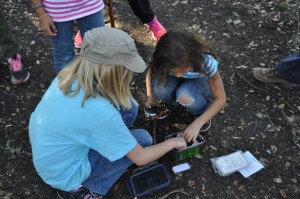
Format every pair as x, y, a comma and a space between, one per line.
194, 106
185, 100
143, 137
148, 140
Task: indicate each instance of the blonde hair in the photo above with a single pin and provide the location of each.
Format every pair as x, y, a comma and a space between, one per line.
110, 82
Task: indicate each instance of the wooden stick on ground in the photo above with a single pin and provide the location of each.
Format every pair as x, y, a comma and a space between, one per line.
174, 191
263, 90
154, 130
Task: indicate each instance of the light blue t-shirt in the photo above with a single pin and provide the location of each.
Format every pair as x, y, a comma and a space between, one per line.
210, 66
62, 132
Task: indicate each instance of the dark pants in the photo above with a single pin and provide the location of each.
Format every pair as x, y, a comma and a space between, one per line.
289, 68
142, 10
8, 44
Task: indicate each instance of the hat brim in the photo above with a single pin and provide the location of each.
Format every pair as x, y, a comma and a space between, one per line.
136, 64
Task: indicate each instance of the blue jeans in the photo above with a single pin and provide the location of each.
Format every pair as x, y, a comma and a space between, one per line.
197, 89
105, 173
63, 47
289, 68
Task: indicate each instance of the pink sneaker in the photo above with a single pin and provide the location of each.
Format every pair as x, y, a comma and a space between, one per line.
156, 29
19, 74
78, 40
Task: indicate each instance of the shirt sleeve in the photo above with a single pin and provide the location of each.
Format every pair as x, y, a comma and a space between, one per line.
210, 64
112, 139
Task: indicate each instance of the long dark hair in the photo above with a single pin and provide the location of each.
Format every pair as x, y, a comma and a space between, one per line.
175, 48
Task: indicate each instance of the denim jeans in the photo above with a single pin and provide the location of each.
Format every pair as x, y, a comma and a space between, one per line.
289, 68
105, 173
197, 89
63, 47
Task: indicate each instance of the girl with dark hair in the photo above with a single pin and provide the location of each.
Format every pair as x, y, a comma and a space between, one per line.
184, 71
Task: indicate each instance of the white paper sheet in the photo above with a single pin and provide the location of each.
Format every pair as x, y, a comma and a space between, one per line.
252, 167
231, 163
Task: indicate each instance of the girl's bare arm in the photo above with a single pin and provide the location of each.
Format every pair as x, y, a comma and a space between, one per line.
150, 96
142, 156
219, 100
47, 26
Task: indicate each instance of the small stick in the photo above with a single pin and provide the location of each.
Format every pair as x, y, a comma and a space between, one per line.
172, 192
111, 13
226, 147
255, 127
154, 130
285, 102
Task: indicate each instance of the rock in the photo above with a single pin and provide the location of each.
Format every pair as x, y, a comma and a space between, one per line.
229, 129
277, 180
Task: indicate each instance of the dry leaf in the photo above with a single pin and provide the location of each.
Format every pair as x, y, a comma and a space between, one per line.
241, 187
281, 106
282, 193
236, 183
214, 148
273, 148
116, 187
192, 182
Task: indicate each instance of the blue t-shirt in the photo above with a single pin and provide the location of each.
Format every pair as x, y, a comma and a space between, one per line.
210, 66
62, 132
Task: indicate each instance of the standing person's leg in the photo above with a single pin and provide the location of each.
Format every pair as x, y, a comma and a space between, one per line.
286, 73
89, 22
142, 9
9, 50
194, 95
63, 49
9, 46
85, 24
289, 68
105, 173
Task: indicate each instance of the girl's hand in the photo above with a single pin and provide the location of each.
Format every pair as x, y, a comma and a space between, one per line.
180, 143
47, 26
150, 101
191, 132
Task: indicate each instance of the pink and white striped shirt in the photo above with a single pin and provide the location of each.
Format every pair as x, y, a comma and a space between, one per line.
67, 10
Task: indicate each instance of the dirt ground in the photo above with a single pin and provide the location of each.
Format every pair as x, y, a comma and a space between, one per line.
260, 118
